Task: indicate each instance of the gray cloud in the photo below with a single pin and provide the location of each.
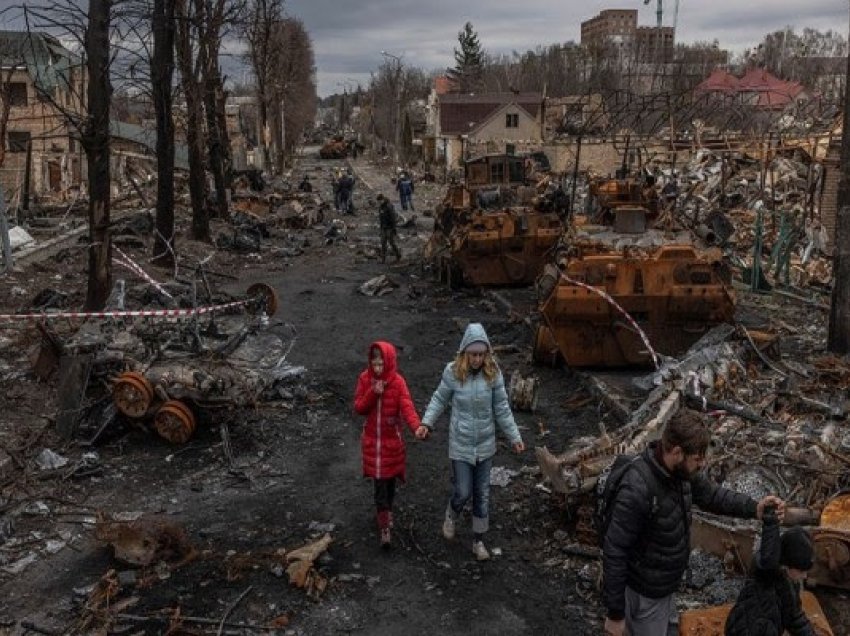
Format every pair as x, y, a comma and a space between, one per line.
348, 35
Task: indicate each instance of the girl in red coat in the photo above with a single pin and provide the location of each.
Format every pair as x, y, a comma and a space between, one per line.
382, 396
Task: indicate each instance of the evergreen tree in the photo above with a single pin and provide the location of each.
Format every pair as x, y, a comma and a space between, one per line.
469, 61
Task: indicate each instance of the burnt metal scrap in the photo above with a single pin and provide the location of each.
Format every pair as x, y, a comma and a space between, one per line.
169, 373
767, 439
495, 229
625, 272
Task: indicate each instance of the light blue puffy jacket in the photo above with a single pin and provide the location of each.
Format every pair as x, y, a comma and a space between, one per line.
476, 407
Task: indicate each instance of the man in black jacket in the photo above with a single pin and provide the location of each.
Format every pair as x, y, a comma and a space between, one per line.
647, 543
387, 221
769, 604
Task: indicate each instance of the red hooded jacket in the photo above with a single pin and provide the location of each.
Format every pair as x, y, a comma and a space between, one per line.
381, 443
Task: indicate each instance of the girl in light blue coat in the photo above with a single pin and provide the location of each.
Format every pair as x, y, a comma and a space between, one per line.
474, 388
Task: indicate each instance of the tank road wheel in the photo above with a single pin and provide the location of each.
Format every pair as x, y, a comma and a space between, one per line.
263, 298
175, 422
133, 394
545, 350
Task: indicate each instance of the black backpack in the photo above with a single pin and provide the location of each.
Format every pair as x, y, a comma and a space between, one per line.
609, 483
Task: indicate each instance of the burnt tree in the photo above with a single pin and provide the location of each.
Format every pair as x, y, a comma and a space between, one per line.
95, 141
191, 85
217, 13
162, 75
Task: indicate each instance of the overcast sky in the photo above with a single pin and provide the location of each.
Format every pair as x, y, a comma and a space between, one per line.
348, 35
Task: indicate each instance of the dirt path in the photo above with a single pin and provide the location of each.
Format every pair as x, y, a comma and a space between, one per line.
297, 474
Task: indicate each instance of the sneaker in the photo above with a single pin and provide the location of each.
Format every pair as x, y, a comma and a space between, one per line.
449, 528
386, 538
480, 551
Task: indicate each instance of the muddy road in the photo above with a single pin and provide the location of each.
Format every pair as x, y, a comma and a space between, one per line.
296, 475
288, 472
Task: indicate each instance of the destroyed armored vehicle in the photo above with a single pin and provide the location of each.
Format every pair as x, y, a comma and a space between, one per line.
340, 148
622, 268
495, 229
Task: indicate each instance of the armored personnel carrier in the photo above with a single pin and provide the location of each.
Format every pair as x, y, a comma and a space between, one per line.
496, 229
624, 267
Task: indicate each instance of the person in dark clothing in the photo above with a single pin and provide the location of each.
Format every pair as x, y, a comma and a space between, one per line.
345, 186
769, 604
647, 542
305, 185
388, 222
404, 185
560, 201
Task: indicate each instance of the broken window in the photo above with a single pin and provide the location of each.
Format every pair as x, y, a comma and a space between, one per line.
18, 140
512, 120
18, 93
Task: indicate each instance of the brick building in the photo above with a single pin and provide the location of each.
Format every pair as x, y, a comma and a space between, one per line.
617, 30
39, 78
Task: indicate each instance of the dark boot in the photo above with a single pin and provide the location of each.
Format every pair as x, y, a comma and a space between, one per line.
384, 523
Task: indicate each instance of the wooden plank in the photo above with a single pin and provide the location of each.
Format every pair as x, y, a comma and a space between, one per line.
74, 371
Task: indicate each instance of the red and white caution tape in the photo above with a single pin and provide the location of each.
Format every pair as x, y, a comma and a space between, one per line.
141, 313
128, 263
626, 315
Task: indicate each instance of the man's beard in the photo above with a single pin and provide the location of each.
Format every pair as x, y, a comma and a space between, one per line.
680, 472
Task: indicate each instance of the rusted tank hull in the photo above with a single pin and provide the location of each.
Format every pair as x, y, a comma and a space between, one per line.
711, 621
499, 249
832, 545
485, 259
675, 296
334, 150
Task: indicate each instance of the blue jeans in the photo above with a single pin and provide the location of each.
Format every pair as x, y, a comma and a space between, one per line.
471, 480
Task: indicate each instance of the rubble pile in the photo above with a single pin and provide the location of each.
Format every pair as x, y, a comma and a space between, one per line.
738, 201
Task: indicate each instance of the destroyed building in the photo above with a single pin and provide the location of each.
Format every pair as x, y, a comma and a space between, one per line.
43, 83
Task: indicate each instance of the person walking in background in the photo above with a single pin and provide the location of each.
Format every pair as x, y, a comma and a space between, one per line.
404, 185
473, 387
769, 604
383, 398
388, 222
346, 192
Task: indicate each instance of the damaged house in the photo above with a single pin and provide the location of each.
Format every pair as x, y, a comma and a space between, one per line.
467, 125
39, 78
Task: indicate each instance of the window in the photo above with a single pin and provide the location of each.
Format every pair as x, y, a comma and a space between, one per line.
497, 172
18, 141
18, 94
512, 120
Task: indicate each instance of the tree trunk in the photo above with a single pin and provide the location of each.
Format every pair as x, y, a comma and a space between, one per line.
194, 124
838, 340
162, 74
95, 140
262, 125
208, 52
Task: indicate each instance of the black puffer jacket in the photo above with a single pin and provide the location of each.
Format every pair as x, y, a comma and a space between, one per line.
649, 552
769, 604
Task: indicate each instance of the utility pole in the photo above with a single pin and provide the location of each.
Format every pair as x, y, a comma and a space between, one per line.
838, 340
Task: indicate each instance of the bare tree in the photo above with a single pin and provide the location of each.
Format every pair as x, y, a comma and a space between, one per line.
162, 75
89, 114
291, 90
262, 15
217, 14
190, 71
